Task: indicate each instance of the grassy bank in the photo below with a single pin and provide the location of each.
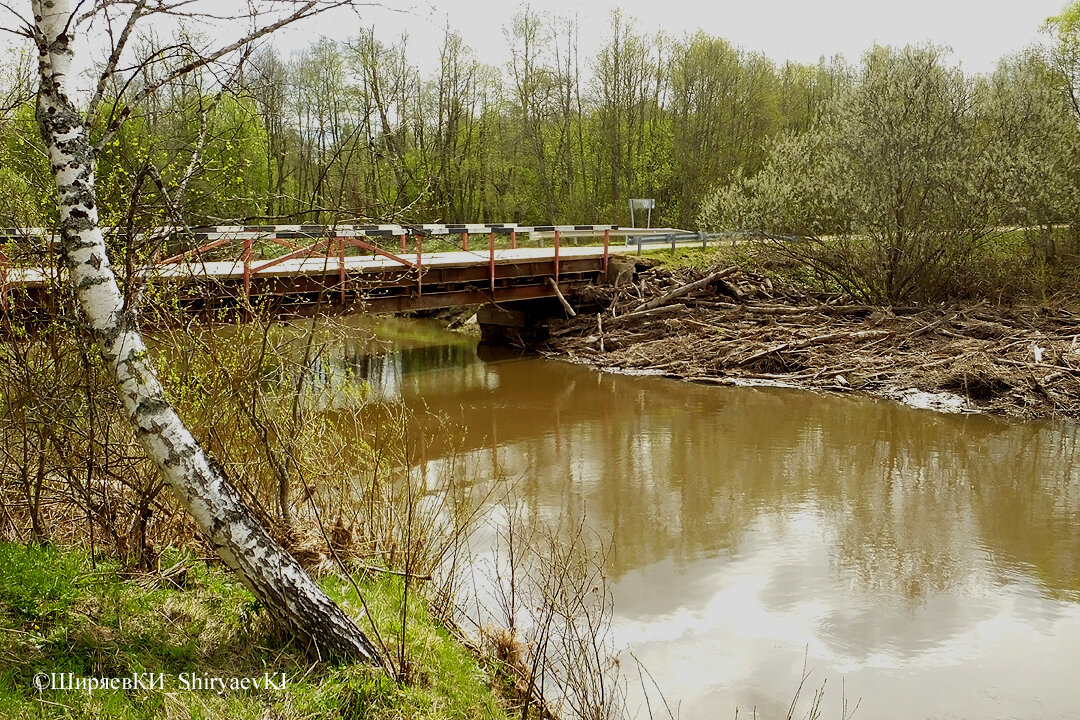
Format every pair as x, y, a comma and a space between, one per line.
61, 614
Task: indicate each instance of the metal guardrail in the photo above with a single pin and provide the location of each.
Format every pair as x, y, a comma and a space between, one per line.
670, 237
322, 240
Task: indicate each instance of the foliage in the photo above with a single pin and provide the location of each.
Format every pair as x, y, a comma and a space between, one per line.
912, 169
58, 613
353, 130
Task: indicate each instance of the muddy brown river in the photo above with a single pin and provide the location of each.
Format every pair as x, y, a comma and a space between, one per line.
920, 564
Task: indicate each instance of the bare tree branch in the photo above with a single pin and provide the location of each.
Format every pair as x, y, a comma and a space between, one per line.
309, 9
114, 58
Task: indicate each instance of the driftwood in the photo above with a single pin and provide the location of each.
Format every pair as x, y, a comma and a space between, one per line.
812, 339
558, 293
858, 336
686, 289
638, 314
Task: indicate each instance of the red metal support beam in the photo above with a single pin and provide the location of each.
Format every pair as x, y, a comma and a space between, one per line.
491, 259
341, 268
324, 243
403, 248
197, 251
302, 252
607, 245
556, 256
246, 257
378, 251
513, 239
284, 243
465, 241
419, 265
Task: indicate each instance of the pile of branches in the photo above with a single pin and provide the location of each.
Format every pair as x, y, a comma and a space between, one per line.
730, 326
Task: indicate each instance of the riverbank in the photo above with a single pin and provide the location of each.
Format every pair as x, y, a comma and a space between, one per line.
193, 642
732, 325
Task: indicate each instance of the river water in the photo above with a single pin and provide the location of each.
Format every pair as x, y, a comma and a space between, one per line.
920, 564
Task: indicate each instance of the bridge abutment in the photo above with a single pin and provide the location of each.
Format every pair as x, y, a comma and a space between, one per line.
523, 322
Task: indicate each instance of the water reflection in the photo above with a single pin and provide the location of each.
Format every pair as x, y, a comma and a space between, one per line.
930, 562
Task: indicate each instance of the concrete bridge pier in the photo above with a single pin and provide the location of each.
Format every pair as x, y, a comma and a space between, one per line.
522, 322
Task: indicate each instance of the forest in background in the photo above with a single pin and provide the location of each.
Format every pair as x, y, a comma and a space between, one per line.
353, 130
902, 149
888, 178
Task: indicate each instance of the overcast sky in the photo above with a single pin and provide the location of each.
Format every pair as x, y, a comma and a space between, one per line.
980, 33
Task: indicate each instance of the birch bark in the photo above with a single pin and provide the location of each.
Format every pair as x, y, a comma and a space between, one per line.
272, 574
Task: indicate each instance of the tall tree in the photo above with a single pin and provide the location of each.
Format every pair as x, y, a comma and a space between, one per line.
629, 84
1033, 132
272, 574
897, 175
1065, 53
265, 81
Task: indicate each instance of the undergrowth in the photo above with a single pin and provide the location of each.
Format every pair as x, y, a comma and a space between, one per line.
60, 613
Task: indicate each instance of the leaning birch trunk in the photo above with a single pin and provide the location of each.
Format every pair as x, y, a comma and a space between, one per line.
272, 574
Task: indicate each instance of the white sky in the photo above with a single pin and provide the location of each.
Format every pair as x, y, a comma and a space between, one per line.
980, 33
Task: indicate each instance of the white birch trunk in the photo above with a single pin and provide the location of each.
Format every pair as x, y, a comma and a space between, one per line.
273, 575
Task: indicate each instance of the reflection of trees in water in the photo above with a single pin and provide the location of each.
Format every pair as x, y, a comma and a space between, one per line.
1029, 511
385, 372
911, 500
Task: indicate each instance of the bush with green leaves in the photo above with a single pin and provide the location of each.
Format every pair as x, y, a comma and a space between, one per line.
902, 186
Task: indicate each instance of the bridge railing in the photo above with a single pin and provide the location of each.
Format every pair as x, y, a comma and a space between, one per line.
250, 242
327, 239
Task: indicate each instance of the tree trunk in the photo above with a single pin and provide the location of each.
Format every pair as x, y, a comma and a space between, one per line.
272, 574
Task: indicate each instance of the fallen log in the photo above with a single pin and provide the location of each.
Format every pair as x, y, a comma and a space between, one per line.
650, 311
805, 309
819, 340
931, 327
685, 289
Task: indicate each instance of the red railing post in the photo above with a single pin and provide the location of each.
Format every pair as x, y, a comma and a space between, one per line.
341, 268
556, 256
491, 259
419, 265
246, 257
403, 242
465, 241
513, 239
607, 243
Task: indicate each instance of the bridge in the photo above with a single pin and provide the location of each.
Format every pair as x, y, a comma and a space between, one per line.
352, 268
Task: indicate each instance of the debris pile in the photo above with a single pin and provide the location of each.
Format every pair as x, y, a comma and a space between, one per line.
730, 326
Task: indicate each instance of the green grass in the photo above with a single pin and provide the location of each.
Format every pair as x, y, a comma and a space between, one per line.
749, 256
60, 615
698, 257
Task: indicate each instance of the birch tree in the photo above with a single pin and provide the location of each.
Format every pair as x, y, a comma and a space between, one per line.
272, 574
